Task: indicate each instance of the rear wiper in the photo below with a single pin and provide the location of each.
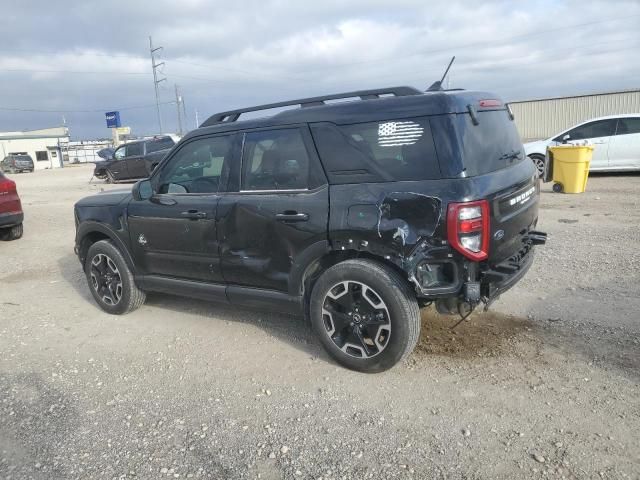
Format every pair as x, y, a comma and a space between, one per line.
511, 155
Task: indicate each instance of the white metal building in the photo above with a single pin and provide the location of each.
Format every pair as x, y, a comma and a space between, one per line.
45, 146
542, 118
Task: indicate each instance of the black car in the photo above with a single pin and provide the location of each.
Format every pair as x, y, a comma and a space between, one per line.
17, 163
133, 160
353, 213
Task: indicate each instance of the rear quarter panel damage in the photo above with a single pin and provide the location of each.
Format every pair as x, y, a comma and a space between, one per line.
392, 225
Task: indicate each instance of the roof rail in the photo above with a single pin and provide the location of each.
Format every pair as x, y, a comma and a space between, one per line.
233, 115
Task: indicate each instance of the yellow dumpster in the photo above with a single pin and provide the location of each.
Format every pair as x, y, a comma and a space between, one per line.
570, 167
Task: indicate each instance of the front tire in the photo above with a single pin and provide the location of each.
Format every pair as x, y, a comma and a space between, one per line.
539, 162
110, 178
365, 314
110, 279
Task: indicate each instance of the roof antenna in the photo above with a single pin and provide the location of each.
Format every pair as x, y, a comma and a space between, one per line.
437, 86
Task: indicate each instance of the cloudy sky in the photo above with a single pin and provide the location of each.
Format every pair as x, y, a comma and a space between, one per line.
84, 57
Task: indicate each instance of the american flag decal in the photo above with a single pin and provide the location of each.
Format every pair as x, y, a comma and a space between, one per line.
391, 134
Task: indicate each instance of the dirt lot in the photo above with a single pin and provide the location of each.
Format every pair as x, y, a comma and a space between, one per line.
545, 385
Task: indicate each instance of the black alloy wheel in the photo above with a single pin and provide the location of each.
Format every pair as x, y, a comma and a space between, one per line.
365, 315
106, 279
356, 319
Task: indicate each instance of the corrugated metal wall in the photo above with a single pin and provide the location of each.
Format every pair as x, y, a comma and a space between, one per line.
545, 117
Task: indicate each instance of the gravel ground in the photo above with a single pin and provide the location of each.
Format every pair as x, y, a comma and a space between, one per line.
544, 385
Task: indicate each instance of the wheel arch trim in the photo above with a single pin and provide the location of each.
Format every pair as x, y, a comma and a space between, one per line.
88, 228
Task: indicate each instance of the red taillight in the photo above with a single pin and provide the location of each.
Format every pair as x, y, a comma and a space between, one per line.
468, 228
7, 186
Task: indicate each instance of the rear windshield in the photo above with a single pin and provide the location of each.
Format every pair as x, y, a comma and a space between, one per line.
23, 158
160, 144
492, 144
383, 151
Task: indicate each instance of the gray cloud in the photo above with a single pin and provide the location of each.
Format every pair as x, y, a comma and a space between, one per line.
224, 55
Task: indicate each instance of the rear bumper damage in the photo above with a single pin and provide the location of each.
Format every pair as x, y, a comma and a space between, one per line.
453, 283
504, 275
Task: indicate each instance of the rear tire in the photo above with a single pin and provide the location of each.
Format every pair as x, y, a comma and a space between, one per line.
365, 314
12, 233
539, 162
557, 187
110, 280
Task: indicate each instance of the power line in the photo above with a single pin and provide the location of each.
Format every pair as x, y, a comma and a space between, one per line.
38, 110
91, 72
156, 82
174, 60
394, 57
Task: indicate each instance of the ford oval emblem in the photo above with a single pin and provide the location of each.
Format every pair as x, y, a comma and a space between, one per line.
499, 235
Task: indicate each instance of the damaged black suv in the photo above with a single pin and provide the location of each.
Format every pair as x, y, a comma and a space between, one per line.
353, 213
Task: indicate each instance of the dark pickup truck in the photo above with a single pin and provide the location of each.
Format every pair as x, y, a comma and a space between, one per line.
134, 160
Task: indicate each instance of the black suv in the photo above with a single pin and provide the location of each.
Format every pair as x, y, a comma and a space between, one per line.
134, 160
353, 213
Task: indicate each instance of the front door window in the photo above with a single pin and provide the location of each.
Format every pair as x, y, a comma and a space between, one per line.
200, 166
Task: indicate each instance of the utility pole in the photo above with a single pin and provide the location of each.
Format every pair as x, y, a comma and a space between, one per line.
154, 67
197, 121
178, 104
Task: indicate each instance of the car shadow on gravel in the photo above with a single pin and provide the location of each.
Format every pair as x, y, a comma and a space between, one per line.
71, 272
484, 334
294, 330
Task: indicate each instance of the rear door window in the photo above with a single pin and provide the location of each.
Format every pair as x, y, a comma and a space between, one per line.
160, 144
134, 149
383, 151
275, 160
628, 126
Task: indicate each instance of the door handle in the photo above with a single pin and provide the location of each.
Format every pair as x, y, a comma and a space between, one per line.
194, 214
292, 217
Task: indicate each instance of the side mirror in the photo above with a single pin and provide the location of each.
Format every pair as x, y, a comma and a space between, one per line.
566, 138
142, 190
